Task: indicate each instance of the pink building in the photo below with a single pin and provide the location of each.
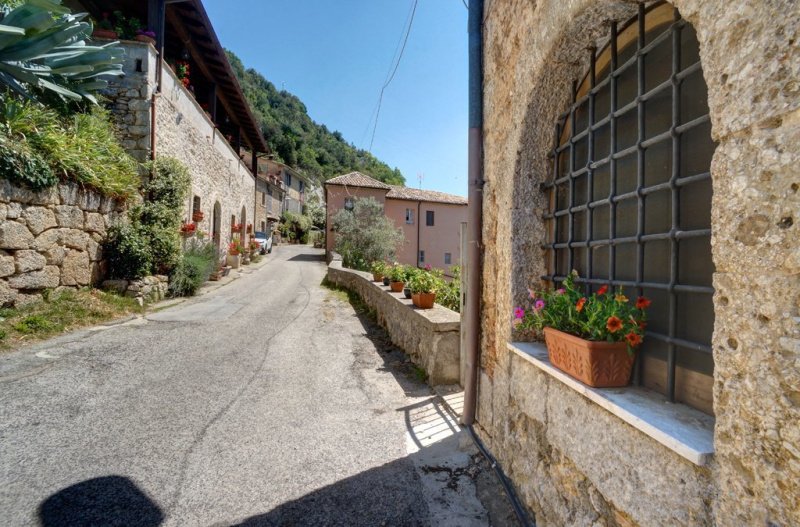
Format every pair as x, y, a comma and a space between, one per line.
429, 220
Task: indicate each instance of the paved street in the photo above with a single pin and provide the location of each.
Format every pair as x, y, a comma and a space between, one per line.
269, 401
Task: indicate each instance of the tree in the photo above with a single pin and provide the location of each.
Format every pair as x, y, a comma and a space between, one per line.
365, 235
43, 50
315, 210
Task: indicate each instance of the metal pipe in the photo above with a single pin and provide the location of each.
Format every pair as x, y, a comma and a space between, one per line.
474, 212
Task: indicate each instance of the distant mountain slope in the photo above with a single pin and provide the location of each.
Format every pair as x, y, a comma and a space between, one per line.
300, 142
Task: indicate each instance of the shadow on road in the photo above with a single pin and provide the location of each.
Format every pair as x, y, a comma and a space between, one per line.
107, 501
308, 258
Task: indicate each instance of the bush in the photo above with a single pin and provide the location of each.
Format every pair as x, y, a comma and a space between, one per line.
365, 234
194, 267
128, 251
81, 147
449, 293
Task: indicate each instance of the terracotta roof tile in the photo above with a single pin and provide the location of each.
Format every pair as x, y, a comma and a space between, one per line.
413, 194
357, 179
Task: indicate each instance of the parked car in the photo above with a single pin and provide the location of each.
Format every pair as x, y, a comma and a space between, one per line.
264, 240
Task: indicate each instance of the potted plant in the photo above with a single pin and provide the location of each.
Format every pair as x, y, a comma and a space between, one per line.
104, 28
397, 277
592, 338
188, 229
236, 227
198, 216
234, 258
378, 269
423, 288
146, 35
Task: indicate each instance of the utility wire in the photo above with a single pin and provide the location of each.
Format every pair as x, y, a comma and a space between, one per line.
391, 76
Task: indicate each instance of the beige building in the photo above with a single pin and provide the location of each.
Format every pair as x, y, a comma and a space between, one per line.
653, 146
294, 183
430, 220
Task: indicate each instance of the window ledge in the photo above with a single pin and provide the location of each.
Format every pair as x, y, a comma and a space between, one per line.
684, 430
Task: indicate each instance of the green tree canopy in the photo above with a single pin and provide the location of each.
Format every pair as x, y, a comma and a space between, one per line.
365, 235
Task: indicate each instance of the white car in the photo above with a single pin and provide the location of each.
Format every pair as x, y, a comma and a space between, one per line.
264, 241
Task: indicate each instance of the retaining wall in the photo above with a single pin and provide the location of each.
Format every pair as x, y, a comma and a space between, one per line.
429, 336
51, 239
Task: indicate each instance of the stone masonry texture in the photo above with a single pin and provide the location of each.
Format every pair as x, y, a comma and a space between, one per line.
572, 462
52, 239
430, 337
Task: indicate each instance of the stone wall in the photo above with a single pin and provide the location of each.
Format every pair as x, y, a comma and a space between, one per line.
572, 462
430, 337
145, 290
51, 239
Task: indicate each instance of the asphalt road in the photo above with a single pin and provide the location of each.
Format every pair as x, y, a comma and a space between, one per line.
269, 401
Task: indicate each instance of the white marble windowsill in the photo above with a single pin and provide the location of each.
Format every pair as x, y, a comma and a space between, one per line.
684, 430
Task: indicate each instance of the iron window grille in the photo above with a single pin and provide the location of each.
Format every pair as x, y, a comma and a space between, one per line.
630, 195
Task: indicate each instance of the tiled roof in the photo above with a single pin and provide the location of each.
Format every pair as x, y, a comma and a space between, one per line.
413, 194
357, 179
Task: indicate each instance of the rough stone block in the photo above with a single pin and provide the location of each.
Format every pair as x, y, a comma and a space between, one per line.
95, 223
14, 235
69, 216
8, 295
120, 286
27, 260
7, 266
76, 269
3, 211
74, 239
94, 250
39, 219
55, 255
46, 278
13, 211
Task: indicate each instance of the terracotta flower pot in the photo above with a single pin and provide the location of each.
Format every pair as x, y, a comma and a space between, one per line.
598, 364
145, 38
377, 277
234, 260
104, 33
424, 300
397, 287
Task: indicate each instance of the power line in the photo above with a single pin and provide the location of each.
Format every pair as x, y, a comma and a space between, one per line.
391, 76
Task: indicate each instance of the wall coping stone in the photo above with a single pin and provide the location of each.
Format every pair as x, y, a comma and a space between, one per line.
684, 430
438, 318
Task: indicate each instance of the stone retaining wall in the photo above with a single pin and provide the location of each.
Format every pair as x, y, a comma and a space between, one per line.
145, 290
429, 336
51, 239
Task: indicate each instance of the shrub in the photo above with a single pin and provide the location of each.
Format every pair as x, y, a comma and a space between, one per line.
128, 250
195, 265
365, 234
449, 292
81, 147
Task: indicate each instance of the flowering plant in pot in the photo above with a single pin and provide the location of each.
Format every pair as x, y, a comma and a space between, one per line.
197, 216
423, 287
236, 227
592, 338
146, 35
398, 274
378, 269
187, 229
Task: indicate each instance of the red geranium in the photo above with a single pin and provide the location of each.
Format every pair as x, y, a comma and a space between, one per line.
579, 305
634, 339
613, 324
603, 290
642, 303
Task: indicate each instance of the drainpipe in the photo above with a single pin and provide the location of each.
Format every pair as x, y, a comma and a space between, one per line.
474, 212
419, 226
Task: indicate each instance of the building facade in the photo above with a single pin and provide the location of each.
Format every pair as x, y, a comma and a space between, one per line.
294, 183
652, 146
187, 105
430, 220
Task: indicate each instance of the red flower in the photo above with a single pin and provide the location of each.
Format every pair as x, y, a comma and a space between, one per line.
579, 305
642, 303
613, 324
602, 290
642, 325
633, 339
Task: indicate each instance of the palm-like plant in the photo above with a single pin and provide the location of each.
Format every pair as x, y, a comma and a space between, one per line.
43, 48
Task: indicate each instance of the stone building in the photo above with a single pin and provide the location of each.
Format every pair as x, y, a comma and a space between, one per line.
180, 98
652, 146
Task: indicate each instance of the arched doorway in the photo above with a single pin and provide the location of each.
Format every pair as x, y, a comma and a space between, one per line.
216, 226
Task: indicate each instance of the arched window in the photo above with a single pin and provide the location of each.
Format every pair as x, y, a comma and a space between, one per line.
630, 195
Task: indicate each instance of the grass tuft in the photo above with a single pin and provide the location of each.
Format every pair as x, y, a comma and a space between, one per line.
68, 311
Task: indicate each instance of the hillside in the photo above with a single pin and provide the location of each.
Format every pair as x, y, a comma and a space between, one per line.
297, 140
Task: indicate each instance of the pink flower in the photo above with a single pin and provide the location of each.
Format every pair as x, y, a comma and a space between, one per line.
428, 267
538, 305
519, 312
561, 291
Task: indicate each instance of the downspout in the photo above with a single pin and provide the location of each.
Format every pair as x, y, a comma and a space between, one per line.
474, 212
419, 233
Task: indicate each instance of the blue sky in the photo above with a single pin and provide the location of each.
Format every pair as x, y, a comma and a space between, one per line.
335, 56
